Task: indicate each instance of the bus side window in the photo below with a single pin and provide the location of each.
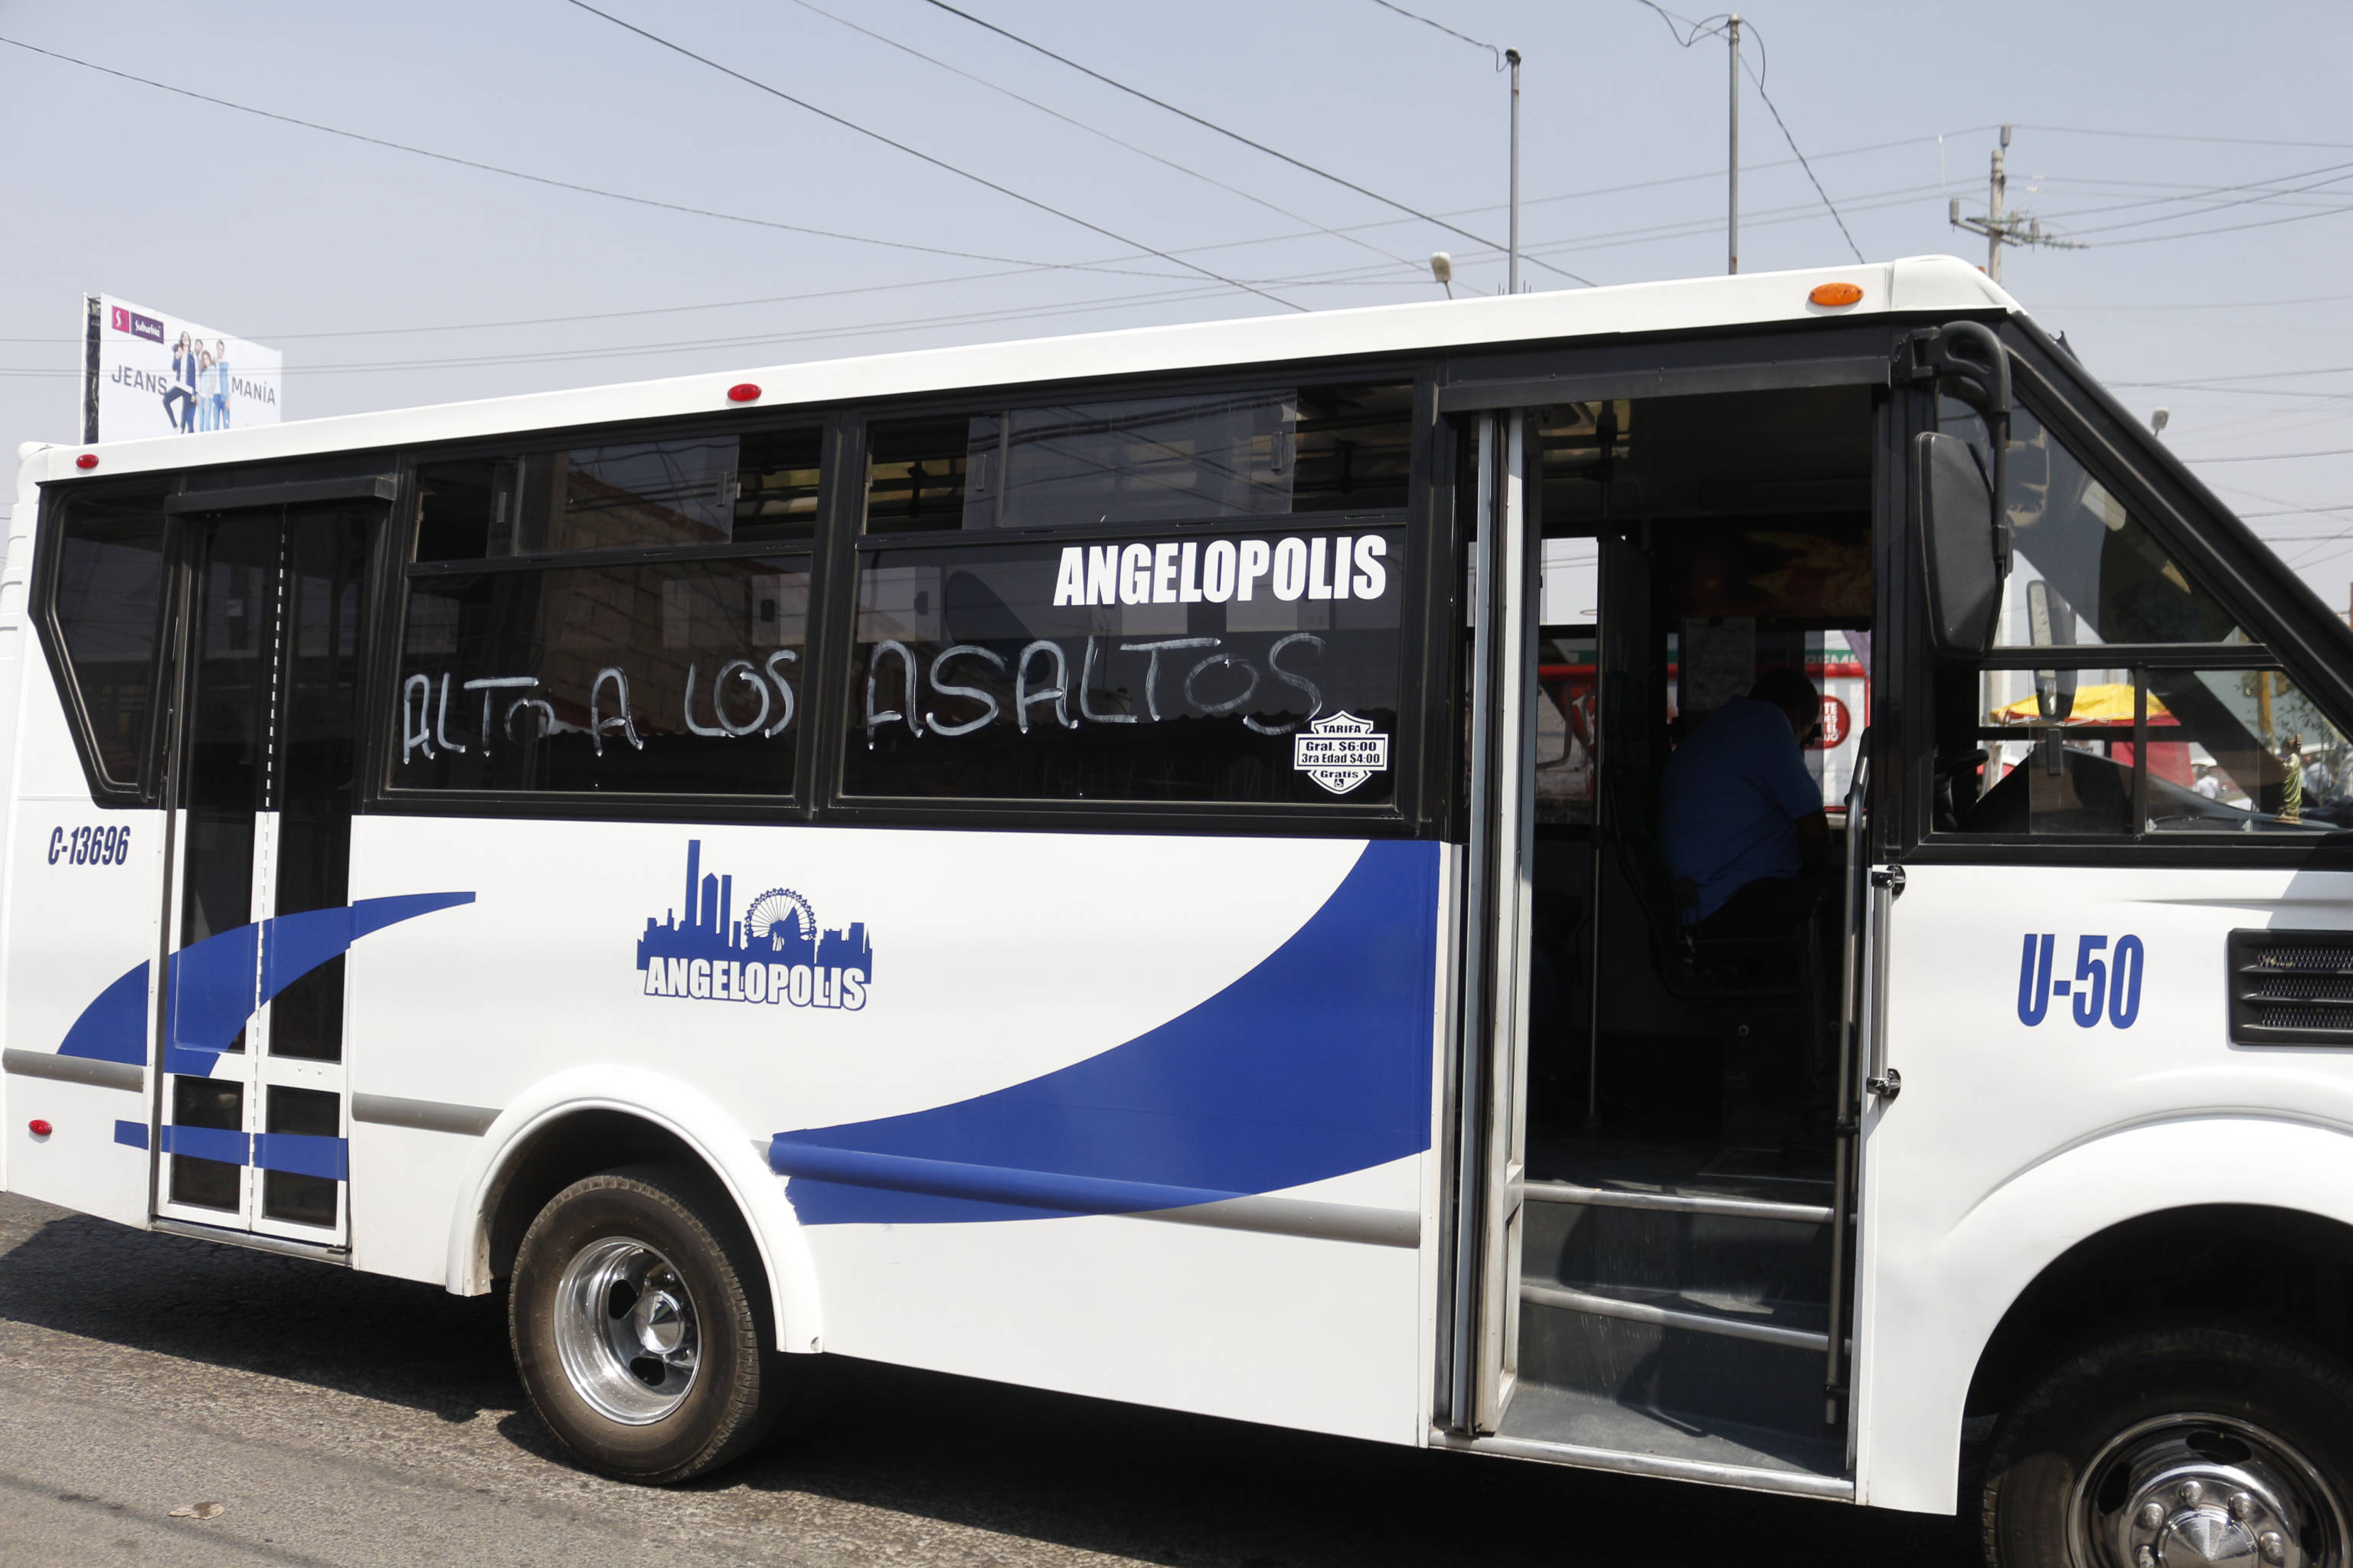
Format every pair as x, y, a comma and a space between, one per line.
621, 495
1246, 665
106, 594
2205, 736
1180, 457
673, 677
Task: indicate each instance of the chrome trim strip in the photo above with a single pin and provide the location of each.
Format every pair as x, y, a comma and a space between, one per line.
425, 1115
1675, 1203
1300, 1218
1668, 1318
1746, 1477
74, 1069
339, 1256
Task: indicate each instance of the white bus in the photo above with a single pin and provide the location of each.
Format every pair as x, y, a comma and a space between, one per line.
1097, 864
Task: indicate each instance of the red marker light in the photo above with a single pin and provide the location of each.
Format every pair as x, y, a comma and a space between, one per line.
87, 460
40, 1128
743, 392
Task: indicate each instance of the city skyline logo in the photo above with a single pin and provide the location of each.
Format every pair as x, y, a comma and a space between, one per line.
774, 953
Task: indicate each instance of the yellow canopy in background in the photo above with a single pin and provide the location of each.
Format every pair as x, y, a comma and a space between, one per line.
2110, 703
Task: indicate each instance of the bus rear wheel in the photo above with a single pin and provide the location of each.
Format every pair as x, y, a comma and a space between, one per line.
2182, 1443
640, 1325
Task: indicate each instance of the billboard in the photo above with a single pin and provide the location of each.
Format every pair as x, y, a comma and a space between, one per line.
147, 373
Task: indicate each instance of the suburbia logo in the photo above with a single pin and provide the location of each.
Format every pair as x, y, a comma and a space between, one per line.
137, 325
773, 954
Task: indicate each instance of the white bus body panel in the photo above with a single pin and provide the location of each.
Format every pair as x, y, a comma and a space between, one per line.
77, 928
81, 931
2010, 1143
996, 961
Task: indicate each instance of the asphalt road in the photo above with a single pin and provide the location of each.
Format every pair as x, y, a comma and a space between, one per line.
348, 1420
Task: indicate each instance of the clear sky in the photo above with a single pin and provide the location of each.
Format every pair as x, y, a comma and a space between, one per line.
2213, 276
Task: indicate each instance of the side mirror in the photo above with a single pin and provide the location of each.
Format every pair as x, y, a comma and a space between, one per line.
1964, 524
1963, 563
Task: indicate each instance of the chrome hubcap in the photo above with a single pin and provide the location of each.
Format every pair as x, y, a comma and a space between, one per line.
2204, 1491
626, 1331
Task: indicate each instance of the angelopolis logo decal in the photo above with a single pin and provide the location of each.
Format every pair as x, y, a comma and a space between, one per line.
774, 953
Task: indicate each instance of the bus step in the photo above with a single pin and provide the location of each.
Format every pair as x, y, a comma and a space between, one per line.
1674, 1202
1667, 1311
1756, 1253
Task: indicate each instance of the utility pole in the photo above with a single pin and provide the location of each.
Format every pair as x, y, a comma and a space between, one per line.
1732, 191
1513, 58
2001, 228
1995, 189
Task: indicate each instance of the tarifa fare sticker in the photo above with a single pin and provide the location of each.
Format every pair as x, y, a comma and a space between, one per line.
1340, 752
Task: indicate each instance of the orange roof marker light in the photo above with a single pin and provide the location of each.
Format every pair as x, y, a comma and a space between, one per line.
1836, 294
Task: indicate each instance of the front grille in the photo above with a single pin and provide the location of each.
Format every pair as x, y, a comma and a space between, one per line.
2300, 958
2291, 988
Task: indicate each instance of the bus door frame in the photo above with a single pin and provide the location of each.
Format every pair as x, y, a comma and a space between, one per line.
369, 498
1505, 582
1478, 1310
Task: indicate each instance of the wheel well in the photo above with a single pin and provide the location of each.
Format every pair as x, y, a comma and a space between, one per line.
2276, 1267
566, 1150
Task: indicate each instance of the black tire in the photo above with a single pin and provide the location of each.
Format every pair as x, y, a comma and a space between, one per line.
706, 1284
2122, 1424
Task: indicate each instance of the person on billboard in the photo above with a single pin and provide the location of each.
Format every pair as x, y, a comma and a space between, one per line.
204, 389
220, 384
182, 388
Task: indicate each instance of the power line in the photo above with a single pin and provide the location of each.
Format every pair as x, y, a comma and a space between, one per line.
1693, 32
1096, 131
1415, 16
1757, 76
936, 162
2226, 229
2215, 380
1351, 277
646, 310
2275, 456
2334, 179
2234, 391
563, 357
1104, 266
2177, 136
2210, 304
1231, 135
2190, 193
1682, 29
542, 179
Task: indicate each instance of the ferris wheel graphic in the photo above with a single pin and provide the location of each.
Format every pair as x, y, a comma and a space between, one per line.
773, 908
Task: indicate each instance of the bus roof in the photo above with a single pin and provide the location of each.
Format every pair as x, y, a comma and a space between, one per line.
1933, 283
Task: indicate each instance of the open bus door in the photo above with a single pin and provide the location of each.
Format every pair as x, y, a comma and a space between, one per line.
1492, 1148
1653, 1163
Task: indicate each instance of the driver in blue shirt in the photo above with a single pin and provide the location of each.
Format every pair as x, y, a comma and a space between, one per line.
1740, 815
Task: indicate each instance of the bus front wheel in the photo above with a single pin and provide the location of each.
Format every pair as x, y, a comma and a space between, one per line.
640, 1325
2187, 1442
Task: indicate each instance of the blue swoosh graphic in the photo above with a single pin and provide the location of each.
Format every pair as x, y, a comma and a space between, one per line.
1316, 1063
210, 986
